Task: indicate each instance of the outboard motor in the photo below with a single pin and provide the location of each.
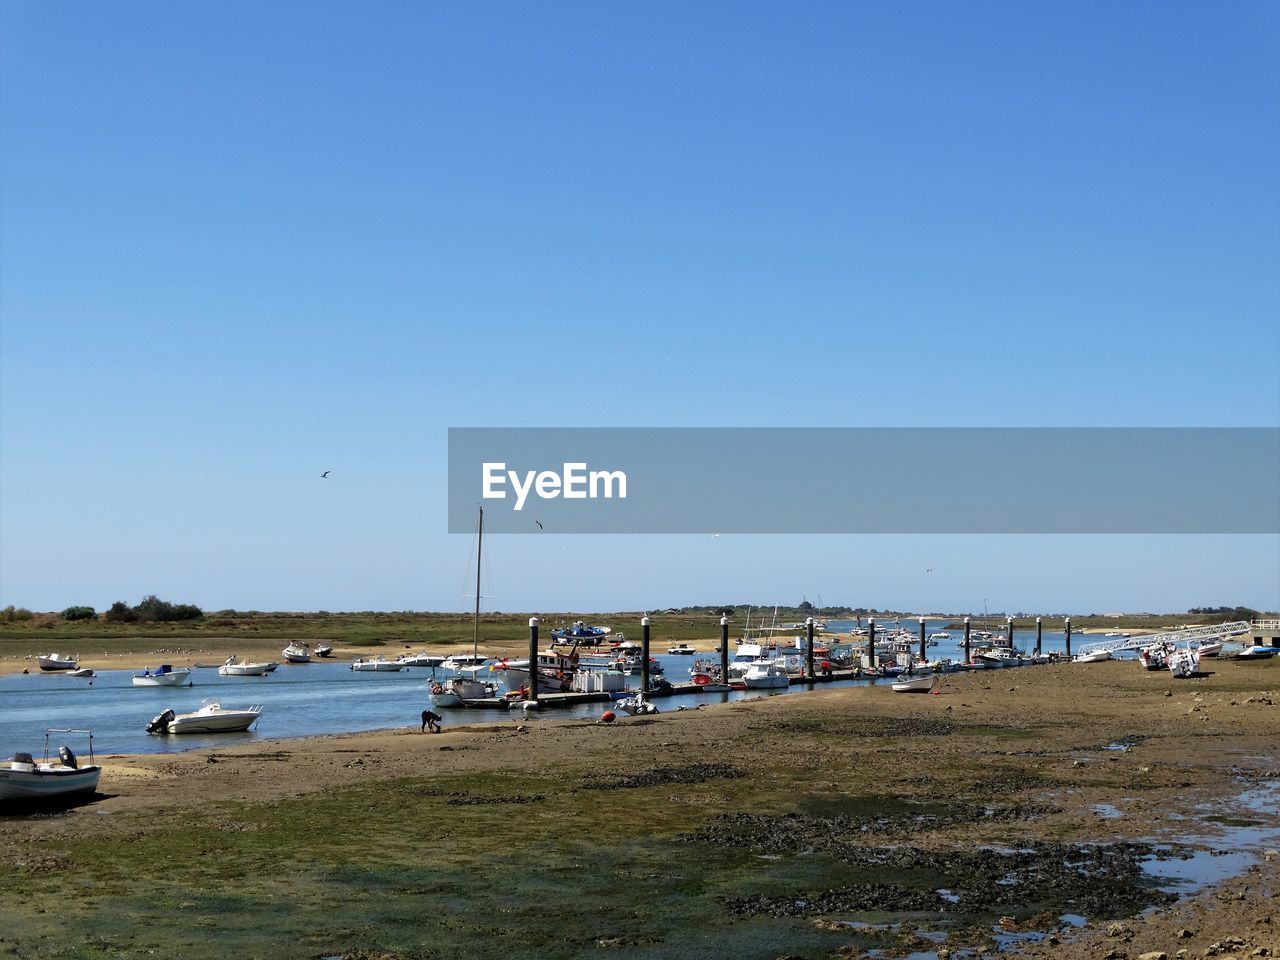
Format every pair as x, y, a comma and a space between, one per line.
67, 757
160, 723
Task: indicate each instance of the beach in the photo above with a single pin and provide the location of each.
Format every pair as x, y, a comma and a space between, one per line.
696, 832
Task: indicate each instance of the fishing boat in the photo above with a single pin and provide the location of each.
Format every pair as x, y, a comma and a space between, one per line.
431, 660
581, 634
681, 649
1000, 657
212, 717
556, 671
163, 676
914, 685
25, 780
81, 672
458, 691
1092, 656
56, 661
297, 652
324, 650
234, 668
377, 665
766, 675
1155, 657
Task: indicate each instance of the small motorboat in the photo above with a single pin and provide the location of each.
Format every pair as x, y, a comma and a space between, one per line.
939, 637
234, 668
377, 665
24, 780
681, 649
212, 717
431, 660
56, 661
1182, 663
457, 662
163, 676
915, 684
297, 652
454, 691
770, 675
1210, 649
82, 672
1092, 656
324, 650
1155, 657
582, 635
1257, 651
636, 706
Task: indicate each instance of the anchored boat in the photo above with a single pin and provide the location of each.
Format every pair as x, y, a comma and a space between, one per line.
163, 676
56, 661
212, 717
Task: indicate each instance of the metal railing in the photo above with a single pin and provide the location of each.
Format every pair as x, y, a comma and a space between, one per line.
1212, 632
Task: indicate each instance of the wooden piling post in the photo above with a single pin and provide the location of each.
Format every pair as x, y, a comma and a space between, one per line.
871, 643
1039, 633
967, 655
644, 654
1068, 636
808, 656
923, 656
724, 649
533, 659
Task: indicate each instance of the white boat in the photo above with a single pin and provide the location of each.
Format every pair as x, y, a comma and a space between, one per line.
297, 652
636, 705
940, 636
681, 649
457, 662
82, 672
914, 685
768, 675
1000, 657
212, 717
324, 650
432, 660
163, 676
555, 672
1155, 657
1183, 663
25, 780
1257, 651
377, 665
56, 661
454, 691
1093, 656
1207, 649
234, 668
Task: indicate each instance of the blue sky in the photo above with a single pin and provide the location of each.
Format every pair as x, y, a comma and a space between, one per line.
244, 243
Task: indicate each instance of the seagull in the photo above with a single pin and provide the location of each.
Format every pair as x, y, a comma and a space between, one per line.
325, 475
930, 570
539, 523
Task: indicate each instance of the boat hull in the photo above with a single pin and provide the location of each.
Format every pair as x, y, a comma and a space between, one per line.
47, 784
53, 663
226, 723
177, 678
243, 669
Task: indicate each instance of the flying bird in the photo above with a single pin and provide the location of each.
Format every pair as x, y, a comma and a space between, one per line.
930, 570
539, 523
325, 475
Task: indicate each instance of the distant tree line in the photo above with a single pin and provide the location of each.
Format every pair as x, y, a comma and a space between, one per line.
1227, 613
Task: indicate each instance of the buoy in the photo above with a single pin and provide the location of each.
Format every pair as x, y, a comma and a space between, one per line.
530, 705
608, 717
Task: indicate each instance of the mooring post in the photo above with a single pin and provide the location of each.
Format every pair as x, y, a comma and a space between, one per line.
871, 644
968, 657
644, 654
533, 659
808, 657
923, 656
724, 649
1068, 636
1010, 626
1039, 633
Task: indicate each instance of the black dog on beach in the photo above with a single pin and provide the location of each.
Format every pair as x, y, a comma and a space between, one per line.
431, 720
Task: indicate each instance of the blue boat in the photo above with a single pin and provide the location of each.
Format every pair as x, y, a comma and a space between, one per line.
581, 635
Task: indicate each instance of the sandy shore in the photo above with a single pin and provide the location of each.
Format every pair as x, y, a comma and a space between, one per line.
1056, 744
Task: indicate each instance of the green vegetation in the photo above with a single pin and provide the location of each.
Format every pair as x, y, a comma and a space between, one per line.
12, 614
79, 613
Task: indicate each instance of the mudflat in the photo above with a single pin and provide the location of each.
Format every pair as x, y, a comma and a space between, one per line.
1028, 809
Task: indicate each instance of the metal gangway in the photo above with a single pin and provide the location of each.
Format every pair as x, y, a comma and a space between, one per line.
1216, 631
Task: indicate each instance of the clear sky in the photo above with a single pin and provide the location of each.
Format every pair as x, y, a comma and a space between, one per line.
243, 243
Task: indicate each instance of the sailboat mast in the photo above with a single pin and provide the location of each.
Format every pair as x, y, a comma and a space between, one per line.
475, 637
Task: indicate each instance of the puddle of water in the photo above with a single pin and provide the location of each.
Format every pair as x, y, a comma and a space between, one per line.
1107, 811
947, 895
1073, 919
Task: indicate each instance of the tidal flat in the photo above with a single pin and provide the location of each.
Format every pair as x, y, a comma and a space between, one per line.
838, 823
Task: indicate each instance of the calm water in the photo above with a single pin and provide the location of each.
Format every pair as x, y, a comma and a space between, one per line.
298, 701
